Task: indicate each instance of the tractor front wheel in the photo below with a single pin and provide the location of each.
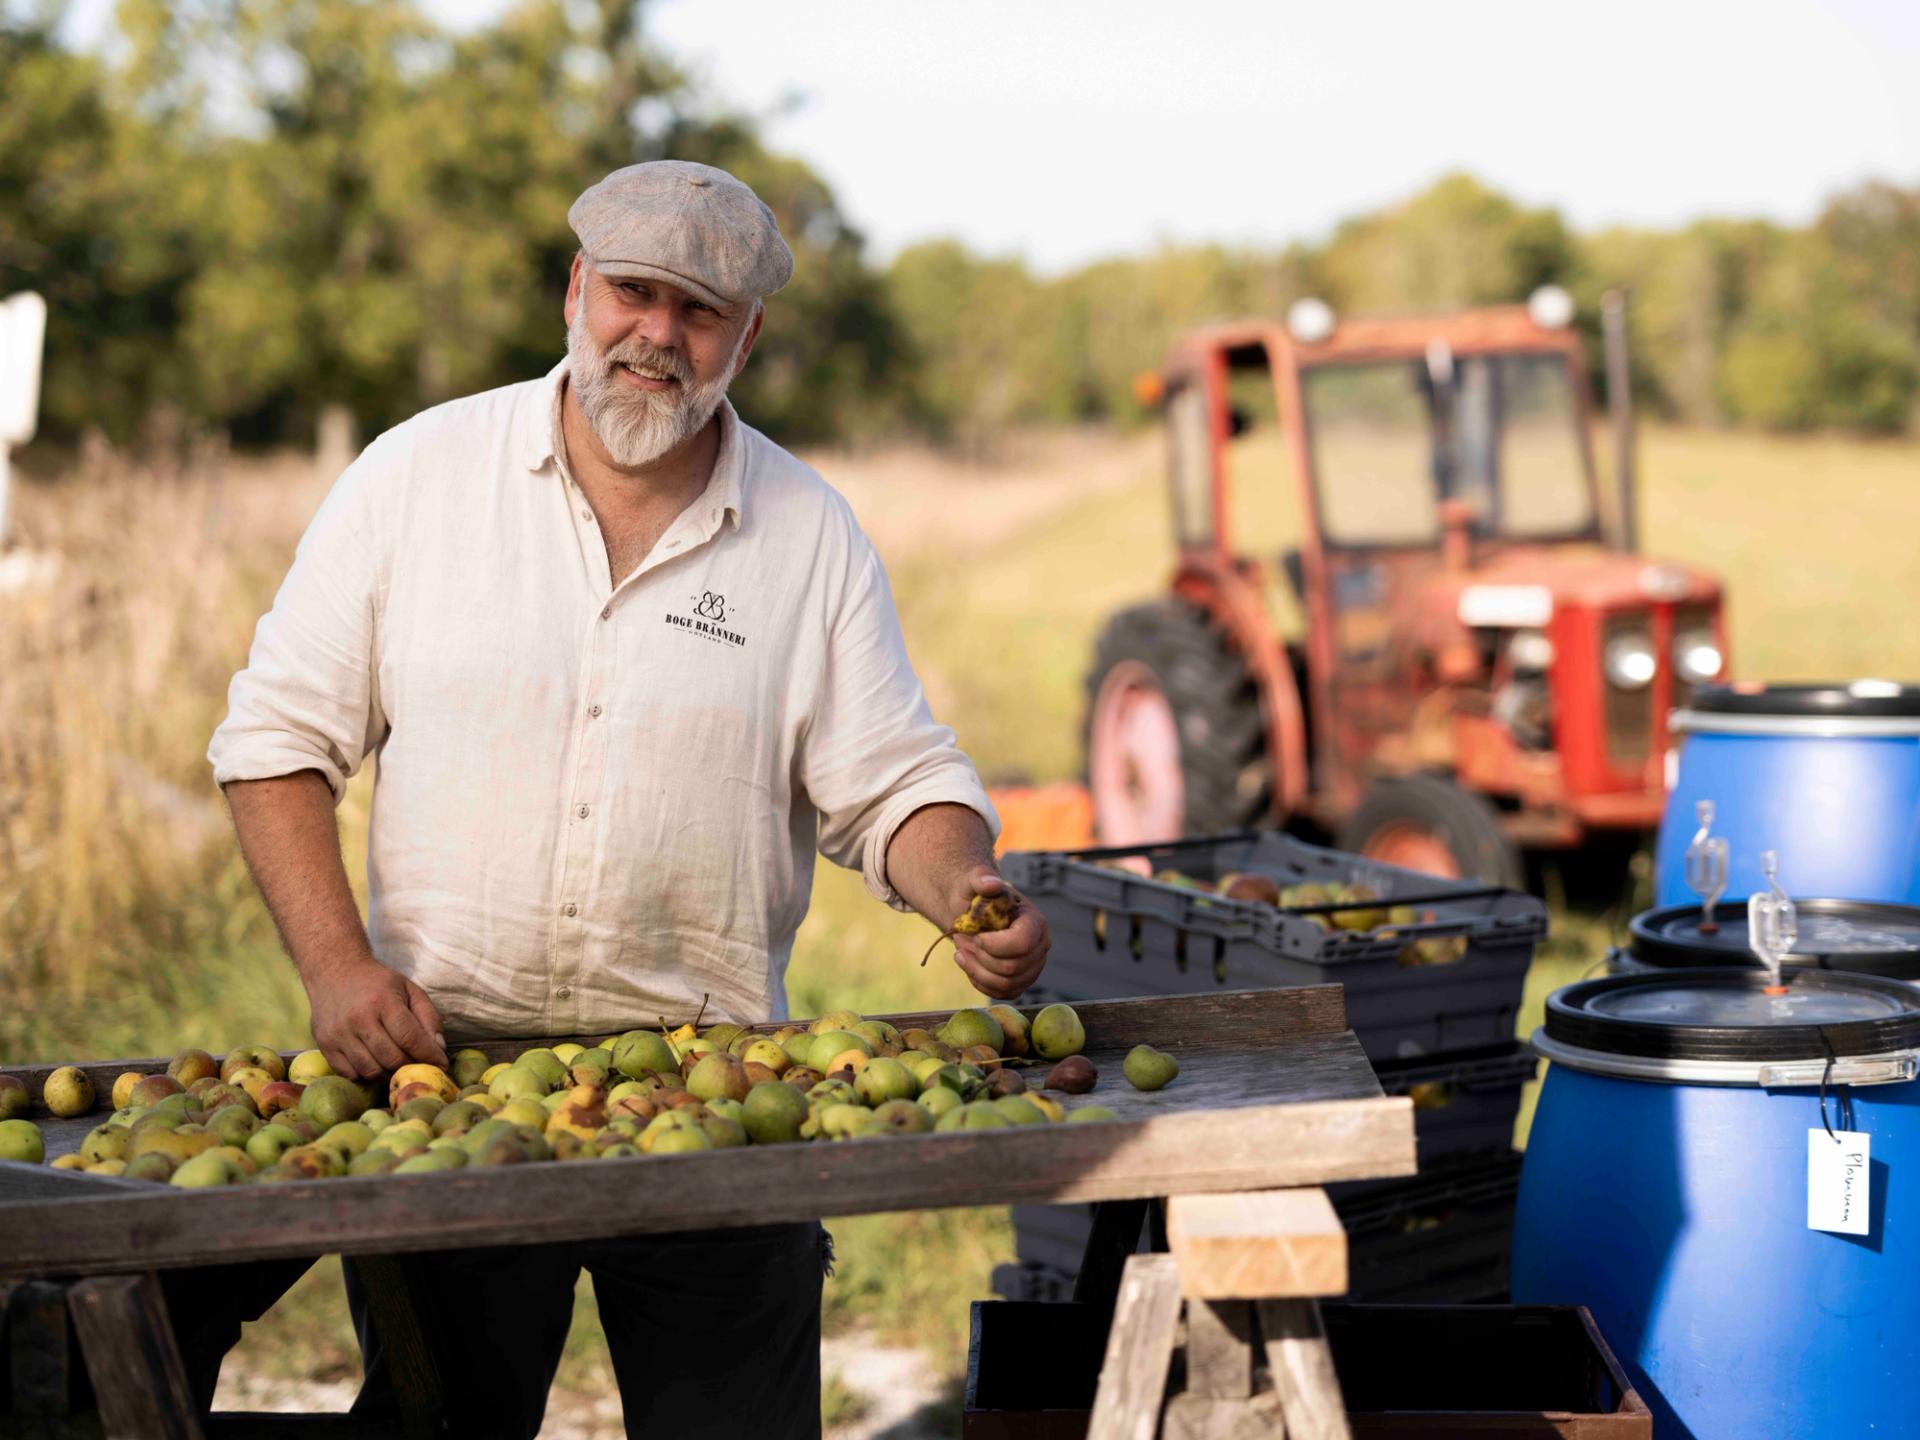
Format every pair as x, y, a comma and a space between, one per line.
1421, 822
1175, 740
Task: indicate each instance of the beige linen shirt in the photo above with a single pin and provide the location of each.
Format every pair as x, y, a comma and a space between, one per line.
594, 803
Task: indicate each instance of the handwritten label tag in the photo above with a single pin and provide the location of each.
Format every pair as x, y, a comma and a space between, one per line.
1839, 1193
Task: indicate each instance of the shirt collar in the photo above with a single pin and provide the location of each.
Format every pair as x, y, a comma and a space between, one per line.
726, 489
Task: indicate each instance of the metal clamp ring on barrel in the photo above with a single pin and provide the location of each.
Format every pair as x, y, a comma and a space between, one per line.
1835, 727
1891, 1069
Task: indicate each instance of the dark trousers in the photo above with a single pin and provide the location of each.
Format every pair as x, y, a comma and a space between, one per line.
712, 1333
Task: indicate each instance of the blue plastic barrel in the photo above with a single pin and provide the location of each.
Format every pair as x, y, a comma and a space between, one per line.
1828, 776
1677, 1212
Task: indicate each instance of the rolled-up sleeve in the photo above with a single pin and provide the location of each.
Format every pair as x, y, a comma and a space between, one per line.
872, 754
307, 699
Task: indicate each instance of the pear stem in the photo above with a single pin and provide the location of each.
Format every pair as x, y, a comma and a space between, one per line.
943, 935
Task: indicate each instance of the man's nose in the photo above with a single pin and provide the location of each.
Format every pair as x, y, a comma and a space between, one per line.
661, 326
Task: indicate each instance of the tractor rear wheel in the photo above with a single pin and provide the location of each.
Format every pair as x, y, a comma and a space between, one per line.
1175, 740
1421, 822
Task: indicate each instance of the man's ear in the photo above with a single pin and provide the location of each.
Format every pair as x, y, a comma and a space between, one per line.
576, 288
753, 334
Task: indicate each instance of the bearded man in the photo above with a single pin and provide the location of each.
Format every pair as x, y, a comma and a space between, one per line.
626, 664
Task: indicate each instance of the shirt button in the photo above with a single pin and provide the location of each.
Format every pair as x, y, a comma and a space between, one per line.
594, 710
571, 909
584, 811
587, 515
607, 614
563, 993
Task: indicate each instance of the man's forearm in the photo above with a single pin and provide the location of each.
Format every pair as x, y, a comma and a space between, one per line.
933, 855
292, 845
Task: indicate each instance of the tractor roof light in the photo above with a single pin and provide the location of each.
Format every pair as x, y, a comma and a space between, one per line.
1310, 320
1550, 307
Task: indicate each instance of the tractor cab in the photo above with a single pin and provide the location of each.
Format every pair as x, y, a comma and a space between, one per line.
1403, 613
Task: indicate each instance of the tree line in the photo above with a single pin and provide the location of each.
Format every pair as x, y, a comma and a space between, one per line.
244, 211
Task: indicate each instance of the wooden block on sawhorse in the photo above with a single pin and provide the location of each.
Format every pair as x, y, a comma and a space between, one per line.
1262, 1245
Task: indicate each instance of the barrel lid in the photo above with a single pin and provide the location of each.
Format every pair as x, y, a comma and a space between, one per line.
1831, 698
1868, 936
1723, 1025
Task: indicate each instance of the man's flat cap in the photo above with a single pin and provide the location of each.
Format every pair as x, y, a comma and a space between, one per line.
690, 225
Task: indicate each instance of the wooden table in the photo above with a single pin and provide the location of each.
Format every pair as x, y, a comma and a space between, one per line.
1274, 1091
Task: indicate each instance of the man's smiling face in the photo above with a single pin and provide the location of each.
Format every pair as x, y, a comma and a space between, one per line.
649, 362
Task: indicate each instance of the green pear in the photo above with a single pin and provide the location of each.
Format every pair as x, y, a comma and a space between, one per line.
349, 1137
900, 1117
843, 1122
106, 1142
973, 1027
329, 1100
883, 1080
1149, 1069
835, 1020
1091, 1112
430, 1161
465, 1067
234, 1124
832, 1043
938, 1100
519, 1083
14, 1102
1056, 1033
267, 1144
773, 1113
544, 1063
674, 1142
719, 1076
1019, 1110
21, 1140
204, 1172
980, 1115
799, 1047
373, 1162
642, 1052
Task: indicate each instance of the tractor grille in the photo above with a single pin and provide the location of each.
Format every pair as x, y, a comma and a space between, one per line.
1629, 713
1694, 617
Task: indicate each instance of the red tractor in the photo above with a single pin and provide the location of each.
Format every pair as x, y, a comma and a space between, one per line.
1401, 615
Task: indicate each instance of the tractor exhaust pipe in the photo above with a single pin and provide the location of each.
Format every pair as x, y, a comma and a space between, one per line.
1613, 329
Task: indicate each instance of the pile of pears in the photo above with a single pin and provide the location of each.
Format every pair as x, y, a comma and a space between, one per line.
252, 1119
1362, 912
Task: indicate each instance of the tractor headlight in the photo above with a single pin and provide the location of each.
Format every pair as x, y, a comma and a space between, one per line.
1529, 650
1696, 656
1629, 661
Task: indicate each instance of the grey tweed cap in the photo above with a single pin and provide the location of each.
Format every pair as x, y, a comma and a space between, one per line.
690, 225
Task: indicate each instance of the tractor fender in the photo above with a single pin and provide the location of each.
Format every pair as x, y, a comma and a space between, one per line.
1233, 602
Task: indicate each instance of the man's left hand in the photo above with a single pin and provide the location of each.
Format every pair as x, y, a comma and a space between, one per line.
1002, 963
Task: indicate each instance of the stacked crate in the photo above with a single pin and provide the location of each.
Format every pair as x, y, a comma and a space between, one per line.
1440, 1033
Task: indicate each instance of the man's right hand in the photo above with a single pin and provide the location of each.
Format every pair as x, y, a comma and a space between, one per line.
368, 1019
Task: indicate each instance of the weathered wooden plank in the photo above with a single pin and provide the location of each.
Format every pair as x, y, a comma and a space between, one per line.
404, 1343
1133, 1376
132, 1358
1197, 1417
1302, 1369
1220, 1338
1274, 1244
40, 1350
1252, 1148
1219, 1021
42, 1182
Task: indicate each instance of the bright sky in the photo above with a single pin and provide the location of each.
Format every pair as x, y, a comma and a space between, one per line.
1063, 130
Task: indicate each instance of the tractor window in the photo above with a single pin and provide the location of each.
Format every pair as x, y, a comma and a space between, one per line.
1544, 486
1190, 462
1263, 498
1371, 429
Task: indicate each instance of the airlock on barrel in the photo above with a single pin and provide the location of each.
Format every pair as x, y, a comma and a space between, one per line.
1707, 860
1773, 925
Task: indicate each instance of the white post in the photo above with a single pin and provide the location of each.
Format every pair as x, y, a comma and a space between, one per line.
23, 330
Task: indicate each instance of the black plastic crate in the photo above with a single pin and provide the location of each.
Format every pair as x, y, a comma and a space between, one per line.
1463, 1101
1442, 1237
1116, 933
1433, 1371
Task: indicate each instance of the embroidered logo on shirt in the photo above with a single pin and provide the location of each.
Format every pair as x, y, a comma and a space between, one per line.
708, 617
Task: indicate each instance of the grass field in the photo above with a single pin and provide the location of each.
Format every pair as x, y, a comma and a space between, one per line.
127, 925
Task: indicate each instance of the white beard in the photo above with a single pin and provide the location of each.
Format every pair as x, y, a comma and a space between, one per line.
637, 427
